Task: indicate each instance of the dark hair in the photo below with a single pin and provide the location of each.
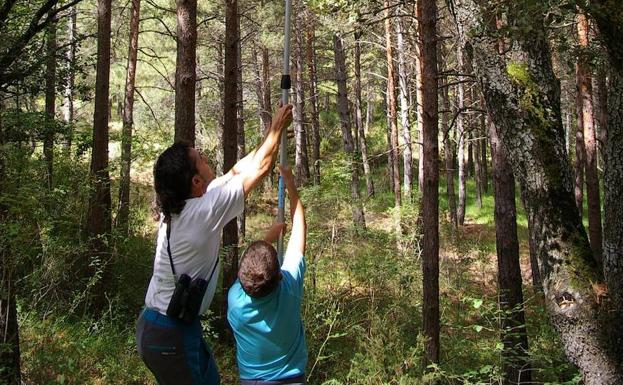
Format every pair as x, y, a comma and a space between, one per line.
259, 271
173, 173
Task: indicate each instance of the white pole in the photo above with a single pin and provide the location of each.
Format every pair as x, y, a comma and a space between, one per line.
285, 99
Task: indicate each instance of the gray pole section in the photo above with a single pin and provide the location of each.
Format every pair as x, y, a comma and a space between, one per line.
285, 99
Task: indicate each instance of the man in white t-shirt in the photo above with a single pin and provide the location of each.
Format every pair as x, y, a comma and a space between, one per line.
194, 207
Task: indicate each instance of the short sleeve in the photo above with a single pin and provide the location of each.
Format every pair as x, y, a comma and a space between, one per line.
225, 200
294, 267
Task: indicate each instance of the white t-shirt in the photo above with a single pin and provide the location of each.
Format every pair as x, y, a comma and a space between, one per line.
195, 241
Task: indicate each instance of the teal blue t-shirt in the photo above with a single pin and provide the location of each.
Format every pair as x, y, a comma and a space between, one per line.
270, 341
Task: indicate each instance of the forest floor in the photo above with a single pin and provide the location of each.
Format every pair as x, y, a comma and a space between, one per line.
362, 305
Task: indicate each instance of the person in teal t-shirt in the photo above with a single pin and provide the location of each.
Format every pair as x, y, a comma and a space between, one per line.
264, 304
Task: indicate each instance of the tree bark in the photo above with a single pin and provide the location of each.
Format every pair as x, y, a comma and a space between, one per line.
609, 19
301, 163
313, 90
123, 212
448, 150
407, 157
185, 71
585, 86
523, 99
9, 328
391, 106
461, 136
99, 215
262, 90
580, 153
230, 142
68, 104
478, 169
358, 118
349, 144
50, 102
427, 17
240, 135
419, 113
515, 356
369, 105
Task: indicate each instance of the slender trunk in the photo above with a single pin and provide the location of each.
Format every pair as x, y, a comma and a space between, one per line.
593, 199
483, 150
358, 118
602, 110
419, 114
477, 169
515, 358
391, 106
9, 328
50, 101
263, 96
461, 136
369, 180
123, 211
68, 104
390, 153
301, 164
349, 145
531, 135
313, 90
230, 143
99, 216
185, 71
427, 16
580, 155
407, 157
240, 136
448, 153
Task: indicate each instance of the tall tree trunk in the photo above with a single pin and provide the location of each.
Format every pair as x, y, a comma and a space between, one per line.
366, 128
349, 144
123, 211
358, 118
313, 90
515, 358
448, 152
592, 177
391, 106
240, 135
609, 19
407, 157
427, 17
9, 329
99, 216
185, 71
50, 101
301, 163
580, 153
483, 150
263, 96
478, 168
68, 104
531, 135
230, 143
602, 109
419, 114
461, 136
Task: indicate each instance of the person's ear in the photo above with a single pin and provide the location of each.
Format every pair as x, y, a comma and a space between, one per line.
196, 181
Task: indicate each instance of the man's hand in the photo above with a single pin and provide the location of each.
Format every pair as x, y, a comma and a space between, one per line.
275, 230
288, 178
283, 116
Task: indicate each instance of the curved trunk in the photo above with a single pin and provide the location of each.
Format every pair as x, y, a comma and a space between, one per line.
523, 99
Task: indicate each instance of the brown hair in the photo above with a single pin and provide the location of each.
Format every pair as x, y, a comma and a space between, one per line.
259, 271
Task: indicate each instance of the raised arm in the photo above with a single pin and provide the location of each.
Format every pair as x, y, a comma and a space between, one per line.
298, 234
256, 164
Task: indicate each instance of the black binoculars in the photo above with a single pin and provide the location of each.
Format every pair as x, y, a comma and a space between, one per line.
187, 298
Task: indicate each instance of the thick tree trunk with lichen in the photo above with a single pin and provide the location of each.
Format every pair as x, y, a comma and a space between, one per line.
523, 99
609, 19
347, 136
